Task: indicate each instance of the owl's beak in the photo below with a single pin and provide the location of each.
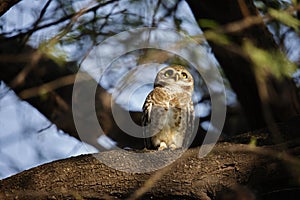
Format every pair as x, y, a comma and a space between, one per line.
176, 77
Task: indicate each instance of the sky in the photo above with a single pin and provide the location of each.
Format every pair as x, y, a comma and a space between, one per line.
28, 139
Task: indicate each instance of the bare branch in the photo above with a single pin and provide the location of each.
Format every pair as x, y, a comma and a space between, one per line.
48, 87
19, 79
61, 20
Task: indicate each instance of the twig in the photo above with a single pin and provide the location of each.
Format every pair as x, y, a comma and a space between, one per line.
250, 21
61, 20
43, 11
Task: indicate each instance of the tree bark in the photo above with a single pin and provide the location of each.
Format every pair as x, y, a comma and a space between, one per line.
240, 171
234, 169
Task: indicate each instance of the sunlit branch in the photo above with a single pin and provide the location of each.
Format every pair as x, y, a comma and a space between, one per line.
20, 78
237, 26
280, 154
250, 21
47, 87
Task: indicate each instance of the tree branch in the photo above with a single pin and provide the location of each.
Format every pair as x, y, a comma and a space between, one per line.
61, 20
229, 166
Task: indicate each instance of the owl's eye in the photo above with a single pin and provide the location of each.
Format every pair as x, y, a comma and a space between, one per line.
184, 75
168, 73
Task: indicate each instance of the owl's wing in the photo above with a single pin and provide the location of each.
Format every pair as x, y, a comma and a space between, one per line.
189, 135
145, 121
154, 117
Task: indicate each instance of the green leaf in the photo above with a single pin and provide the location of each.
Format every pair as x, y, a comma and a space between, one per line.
273, 62
294, 2
207, 23
285, 18
54, 52
216, 37
253, 142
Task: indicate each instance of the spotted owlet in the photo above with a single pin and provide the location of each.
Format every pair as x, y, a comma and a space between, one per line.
168, 112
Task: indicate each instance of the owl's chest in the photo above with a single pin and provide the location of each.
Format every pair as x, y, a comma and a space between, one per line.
173, 104
175, 114
173, 117
173, 129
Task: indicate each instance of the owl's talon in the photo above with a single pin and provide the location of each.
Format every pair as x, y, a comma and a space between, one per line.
172, 147
162, 146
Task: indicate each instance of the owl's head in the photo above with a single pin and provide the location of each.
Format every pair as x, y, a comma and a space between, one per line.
175, 76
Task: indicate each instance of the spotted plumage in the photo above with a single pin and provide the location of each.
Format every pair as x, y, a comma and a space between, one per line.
168, 112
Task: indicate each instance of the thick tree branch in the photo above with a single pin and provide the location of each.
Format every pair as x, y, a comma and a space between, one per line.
228, 167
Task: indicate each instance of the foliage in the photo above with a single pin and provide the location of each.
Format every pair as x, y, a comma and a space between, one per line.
269, 62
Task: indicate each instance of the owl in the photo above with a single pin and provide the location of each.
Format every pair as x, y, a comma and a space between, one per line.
168, 111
